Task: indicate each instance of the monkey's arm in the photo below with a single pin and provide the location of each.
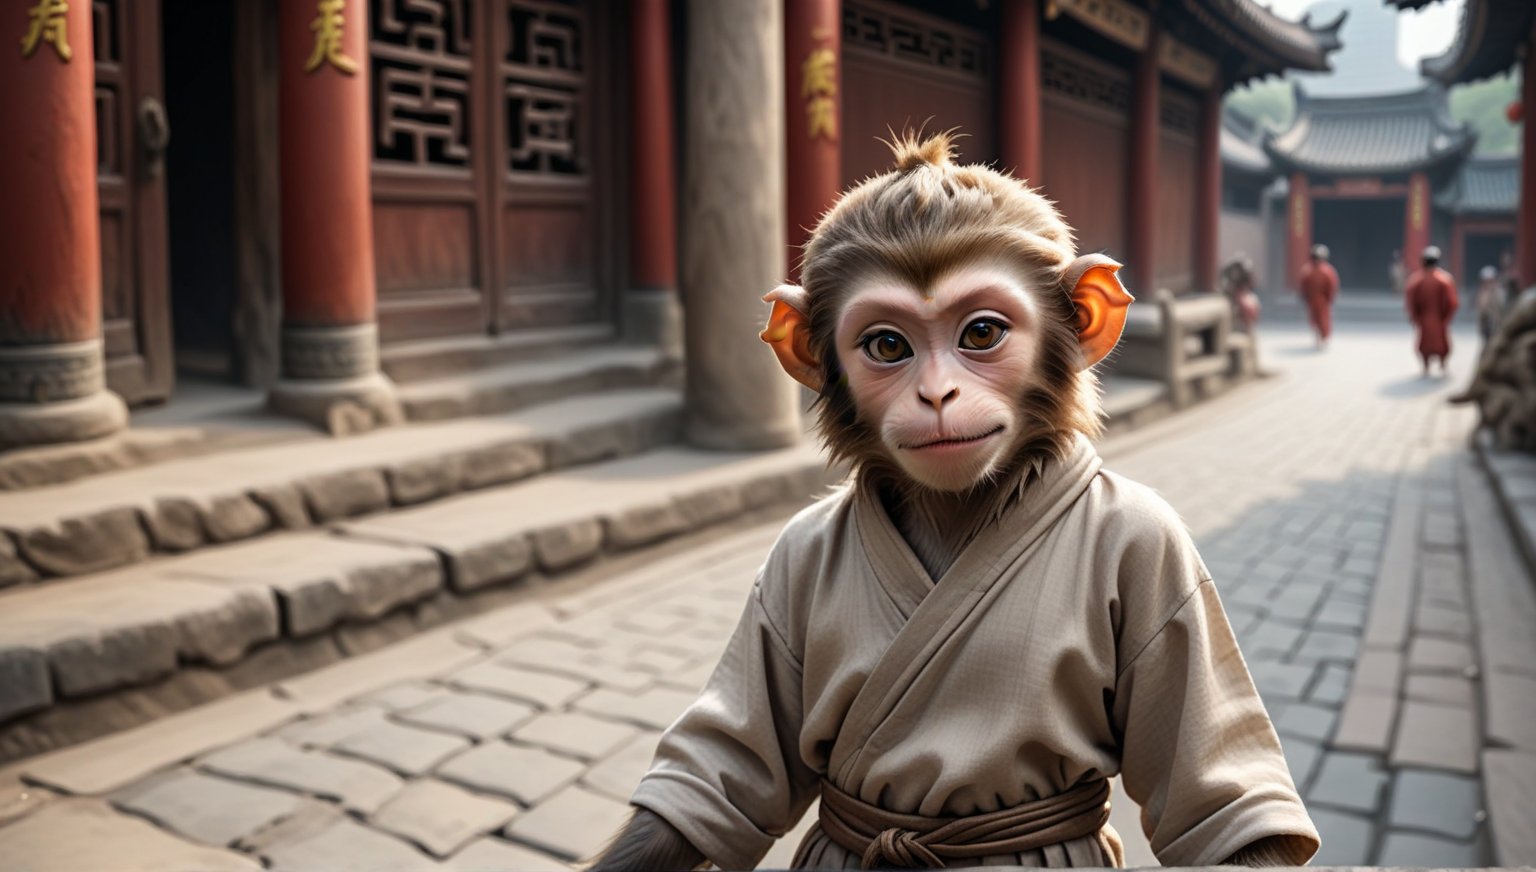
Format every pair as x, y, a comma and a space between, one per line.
648, 843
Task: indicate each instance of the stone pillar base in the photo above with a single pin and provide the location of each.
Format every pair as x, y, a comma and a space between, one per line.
331, 379
653, 316
342, 407
91, 417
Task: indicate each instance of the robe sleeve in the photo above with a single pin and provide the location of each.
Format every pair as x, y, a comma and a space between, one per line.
1198, 752
728, 774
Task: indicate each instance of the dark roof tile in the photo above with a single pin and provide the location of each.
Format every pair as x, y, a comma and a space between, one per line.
1387, 133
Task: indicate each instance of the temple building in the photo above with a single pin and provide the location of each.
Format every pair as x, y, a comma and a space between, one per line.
1364, 172
339, 201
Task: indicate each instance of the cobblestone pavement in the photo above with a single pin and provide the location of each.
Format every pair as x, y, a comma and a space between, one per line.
1355, 546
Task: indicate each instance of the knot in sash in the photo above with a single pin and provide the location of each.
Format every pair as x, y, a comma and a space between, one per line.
887, 839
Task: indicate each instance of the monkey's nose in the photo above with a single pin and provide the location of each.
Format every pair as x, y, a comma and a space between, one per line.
938, 398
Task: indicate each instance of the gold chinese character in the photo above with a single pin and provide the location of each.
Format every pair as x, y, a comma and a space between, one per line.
49, 25
819, 87
327, 28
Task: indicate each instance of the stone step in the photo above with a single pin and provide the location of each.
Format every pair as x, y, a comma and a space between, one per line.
249, 612
120, 518
486, 391
407, 362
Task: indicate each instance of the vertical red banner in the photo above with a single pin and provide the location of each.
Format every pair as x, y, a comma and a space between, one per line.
1416, 221
813, 102
1298, 223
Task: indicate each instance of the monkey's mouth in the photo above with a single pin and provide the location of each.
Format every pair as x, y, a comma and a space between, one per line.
957, 441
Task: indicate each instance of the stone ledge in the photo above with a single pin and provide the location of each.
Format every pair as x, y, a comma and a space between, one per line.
122, 518
518, 385
1514, 480
84, 640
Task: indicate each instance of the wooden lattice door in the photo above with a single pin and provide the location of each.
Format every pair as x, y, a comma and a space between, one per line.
486, 208
132, 134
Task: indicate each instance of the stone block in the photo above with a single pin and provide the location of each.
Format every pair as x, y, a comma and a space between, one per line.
1351, 781
711, 505
576, 735
24, 682
496, 628
1380, 671
471, 715
1269, 641
1346, 838
1449, 689
1366, 721
1307, 721
500, 464
359, 786
1332, 686
422, 656
1339, 614
401, 696
1301, 758
174, 524
88, 543
1420, 851
543, 689
1438, 802
76, 835
655, 707
1437, 737
495, 855
232, 517
212, 810
564, 545
642, 525
527, 775
1296, 603
1442, 621
334, 496
1438, 655
618, 774
328, 728
573, 824
13, 570
1319, 645
1284, 681
442, 818
344, 844
1509, 783
481, 548
1509, 706
422, 479
119, 759
284, 503
405, 750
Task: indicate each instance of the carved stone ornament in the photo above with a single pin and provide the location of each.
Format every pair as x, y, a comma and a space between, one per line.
318, 353
50, 373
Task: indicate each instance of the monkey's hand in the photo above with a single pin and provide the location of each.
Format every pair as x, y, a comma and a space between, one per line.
646, 843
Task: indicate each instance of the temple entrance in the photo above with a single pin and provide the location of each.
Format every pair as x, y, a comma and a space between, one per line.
1361, 235
1484, 249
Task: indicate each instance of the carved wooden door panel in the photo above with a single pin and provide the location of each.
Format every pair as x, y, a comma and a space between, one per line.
485, 187
131, 135
553, 240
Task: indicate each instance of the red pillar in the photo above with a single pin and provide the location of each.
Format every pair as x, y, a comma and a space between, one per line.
1145, 136
1019, 90
52, 377
1208, 204
1416, 221
1298, 223
1525, 226
813, 73
330, 339
652, 313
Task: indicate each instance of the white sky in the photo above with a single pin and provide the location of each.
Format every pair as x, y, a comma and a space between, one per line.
1420, 34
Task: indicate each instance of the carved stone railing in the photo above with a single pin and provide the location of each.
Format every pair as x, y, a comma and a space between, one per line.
1185, 342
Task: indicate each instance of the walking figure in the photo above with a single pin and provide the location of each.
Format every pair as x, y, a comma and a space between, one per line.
1319, 288
1431, 301
1237, 280
1490, 302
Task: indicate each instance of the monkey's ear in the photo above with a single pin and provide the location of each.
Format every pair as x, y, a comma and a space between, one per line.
1101, 302
789, 334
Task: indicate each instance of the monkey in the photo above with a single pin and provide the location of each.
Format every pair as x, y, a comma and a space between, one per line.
968, 639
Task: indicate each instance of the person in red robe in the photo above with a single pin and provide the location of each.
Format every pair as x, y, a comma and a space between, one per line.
1319, 288
1431, 301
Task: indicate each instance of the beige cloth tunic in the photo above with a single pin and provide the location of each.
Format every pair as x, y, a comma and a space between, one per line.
1078, 638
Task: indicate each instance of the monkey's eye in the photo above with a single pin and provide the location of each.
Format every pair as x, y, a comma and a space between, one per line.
887, 347
981, 334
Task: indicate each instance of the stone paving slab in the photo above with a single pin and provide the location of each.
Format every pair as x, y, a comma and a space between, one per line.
572, 824
575, 735
543, 689
206, 808
1412, 849
1350, 781
617, 775
1437, 736
496, 855
346, 845
1437, 802
525, 774
471, 715
1509, 779
405, 750
76, 835
442, 818
359, 786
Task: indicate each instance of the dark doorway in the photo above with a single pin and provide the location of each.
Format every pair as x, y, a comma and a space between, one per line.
1361, 236
1484, 249
200, 183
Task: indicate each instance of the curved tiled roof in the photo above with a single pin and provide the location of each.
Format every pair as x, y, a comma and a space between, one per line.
1388, 133
1268, 43
1487, 39
1486, 184
1241, 144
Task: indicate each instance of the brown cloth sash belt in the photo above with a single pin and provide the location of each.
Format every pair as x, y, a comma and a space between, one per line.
887, 839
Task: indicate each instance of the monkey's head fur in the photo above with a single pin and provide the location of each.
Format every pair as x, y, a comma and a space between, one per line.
913, 226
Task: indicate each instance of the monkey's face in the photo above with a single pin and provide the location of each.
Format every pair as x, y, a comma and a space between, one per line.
939, 372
